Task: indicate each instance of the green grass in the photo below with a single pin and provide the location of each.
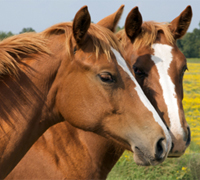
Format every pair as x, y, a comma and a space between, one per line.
186, 167
193, 60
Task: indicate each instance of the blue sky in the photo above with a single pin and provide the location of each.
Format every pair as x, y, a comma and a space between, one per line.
41, 14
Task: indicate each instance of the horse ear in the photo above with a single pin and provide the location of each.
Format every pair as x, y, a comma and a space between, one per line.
112, 20
81, 24
133, 23
180, 24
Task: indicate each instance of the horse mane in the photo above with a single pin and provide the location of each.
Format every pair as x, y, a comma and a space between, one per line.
13, 49
148, 35
101, 37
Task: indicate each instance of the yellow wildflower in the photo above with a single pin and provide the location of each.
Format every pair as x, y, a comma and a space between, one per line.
184, 168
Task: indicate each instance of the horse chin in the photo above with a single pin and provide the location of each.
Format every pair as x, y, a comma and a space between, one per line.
143, 159
174, 155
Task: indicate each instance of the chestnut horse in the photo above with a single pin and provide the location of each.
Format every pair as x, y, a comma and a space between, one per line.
88, 155
159, 67
79, 76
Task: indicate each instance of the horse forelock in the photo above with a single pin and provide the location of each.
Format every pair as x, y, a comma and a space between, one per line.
148, 35
13, 48
102, 39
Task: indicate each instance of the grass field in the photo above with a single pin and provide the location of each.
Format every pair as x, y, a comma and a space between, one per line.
186, 167
193, 60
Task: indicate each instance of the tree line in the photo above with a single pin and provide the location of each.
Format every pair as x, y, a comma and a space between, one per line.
4, 35
189, 44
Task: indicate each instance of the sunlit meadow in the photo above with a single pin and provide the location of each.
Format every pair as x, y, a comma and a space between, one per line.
186, 167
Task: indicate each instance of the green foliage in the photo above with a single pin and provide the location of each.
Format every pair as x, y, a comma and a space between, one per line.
4, 35
29, 29
119, 28
190, 44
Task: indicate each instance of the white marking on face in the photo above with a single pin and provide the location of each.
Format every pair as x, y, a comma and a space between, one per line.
162, 58
142, 96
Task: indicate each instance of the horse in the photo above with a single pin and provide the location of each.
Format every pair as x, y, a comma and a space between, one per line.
76, 74
159, 68
98, 155
89, 155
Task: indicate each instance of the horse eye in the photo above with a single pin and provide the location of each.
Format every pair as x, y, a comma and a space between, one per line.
106, 77
138, 72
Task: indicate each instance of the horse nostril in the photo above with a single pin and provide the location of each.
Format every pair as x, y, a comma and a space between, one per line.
188, 136
159, 149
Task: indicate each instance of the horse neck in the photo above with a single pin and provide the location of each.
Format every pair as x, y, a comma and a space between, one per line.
26, 109
104, 153
66, 145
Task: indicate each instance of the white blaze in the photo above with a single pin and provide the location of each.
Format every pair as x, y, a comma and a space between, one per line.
142, 96
162, 58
